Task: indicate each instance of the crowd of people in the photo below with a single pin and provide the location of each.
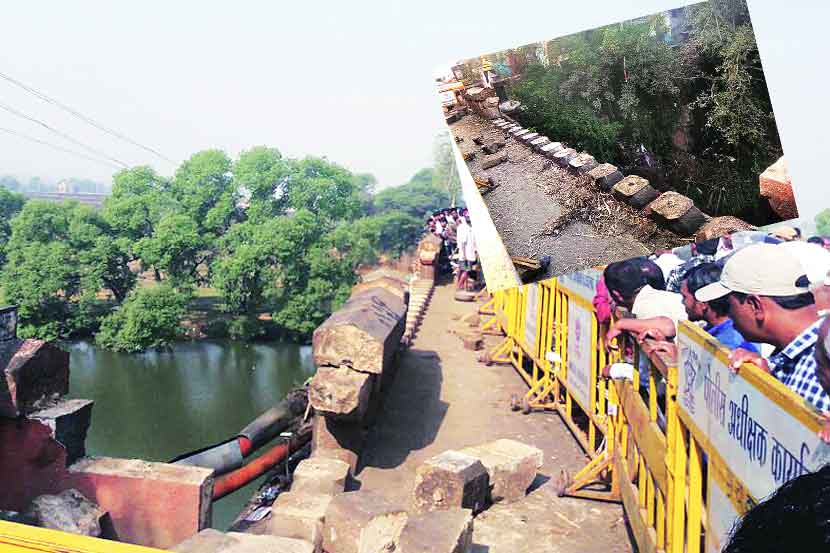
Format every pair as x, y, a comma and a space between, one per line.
459, 251
765, 296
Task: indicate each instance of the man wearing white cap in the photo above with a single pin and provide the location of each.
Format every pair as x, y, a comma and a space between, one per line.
770, 302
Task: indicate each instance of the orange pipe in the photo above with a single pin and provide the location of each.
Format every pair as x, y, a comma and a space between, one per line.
232, 481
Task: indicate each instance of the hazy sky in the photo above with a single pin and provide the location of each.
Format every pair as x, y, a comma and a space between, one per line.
348, 80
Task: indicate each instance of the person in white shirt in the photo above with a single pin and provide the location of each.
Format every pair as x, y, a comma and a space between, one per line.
466, 252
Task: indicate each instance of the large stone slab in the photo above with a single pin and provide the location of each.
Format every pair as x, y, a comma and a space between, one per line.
390, 284
564, 156
364, 334
68, 420
153, 504
677, 212
451, 480
582, 163
605, 176
341, 392
448, 531
32, 372
362, 522
68, 511
320, 475
214, 541
549, 149
511, 466
299, 515
776, 186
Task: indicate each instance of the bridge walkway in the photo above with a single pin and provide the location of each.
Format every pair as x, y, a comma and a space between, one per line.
443, 398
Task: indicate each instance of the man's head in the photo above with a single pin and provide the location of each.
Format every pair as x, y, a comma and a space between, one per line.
624, 279
823, 355
694, 280
707, 247
795, 518
768, 293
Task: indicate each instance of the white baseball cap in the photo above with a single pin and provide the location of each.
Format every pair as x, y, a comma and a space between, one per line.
761, 270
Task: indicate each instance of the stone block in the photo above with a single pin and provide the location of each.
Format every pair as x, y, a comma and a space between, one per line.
214, 541
320, 475
677, 212
32, 372
635, 191
449, 531
564, 156
152, 504
492, 147
605, 176
488, 162
299, 515
451, 480
518, 131
549, 149
527, 138
68, 511
776, 186
538, 143
362, 522
391, 285
511, 467
334, 439
363, 334
721, 226
340, 392
582, 163
68, 420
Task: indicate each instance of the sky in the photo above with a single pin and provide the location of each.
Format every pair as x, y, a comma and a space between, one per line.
352, 81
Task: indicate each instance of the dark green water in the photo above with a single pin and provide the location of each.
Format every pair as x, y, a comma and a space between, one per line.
158, 405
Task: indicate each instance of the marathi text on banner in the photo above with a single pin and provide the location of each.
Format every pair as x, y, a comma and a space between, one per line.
580, 349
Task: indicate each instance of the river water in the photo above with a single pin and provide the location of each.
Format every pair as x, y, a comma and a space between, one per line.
160, 404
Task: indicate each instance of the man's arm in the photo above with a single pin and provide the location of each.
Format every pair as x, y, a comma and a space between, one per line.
638, 326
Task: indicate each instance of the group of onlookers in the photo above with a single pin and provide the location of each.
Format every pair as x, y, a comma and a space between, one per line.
458, 242
765, 296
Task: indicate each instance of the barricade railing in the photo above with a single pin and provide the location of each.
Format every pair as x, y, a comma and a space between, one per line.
686, 456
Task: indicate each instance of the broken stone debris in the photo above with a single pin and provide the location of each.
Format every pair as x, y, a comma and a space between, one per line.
341, 392
511, 467
320, 475
448, 531
32, 373
362, 522
721, 226
68, 420
451, 480
213, 541
489, 162
68, 511
493, 147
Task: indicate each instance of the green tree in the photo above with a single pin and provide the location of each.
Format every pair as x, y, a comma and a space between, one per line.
445, 175
416, 198
139, 199
823, 222
325, 189
263, 174
149, 318
10, 204
204, 187
176, 248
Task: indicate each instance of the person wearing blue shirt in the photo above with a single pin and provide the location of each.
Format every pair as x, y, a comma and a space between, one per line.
714, 313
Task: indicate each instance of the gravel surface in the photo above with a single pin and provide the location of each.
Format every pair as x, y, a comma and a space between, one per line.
534, 195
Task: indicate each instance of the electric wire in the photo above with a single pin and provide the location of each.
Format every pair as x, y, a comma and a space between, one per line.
56, 147
61, 134
81, 116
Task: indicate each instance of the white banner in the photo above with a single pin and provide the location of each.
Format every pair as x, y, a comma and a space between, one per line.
579, 353
721, 515
531, 303
583, 283
761, 443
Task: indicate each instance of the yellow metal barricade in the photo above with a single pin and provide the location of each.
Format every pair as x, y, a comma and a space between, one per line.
22, 538
686, 456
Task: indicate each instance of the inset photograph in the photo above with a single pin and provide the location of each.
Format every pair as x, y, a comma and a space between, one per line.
615, 142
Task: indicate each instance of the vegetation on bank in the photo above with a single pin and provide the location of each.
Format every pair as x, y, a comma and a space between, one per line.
695, 99
268, 234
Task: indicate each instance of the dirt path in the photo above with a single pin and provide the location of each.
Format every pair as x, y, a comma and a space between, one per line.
442, 398
530, 194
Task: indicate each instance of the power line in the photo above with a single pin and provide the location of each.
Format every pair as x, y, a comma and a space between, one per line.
62, 134
83, 117
56, 147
